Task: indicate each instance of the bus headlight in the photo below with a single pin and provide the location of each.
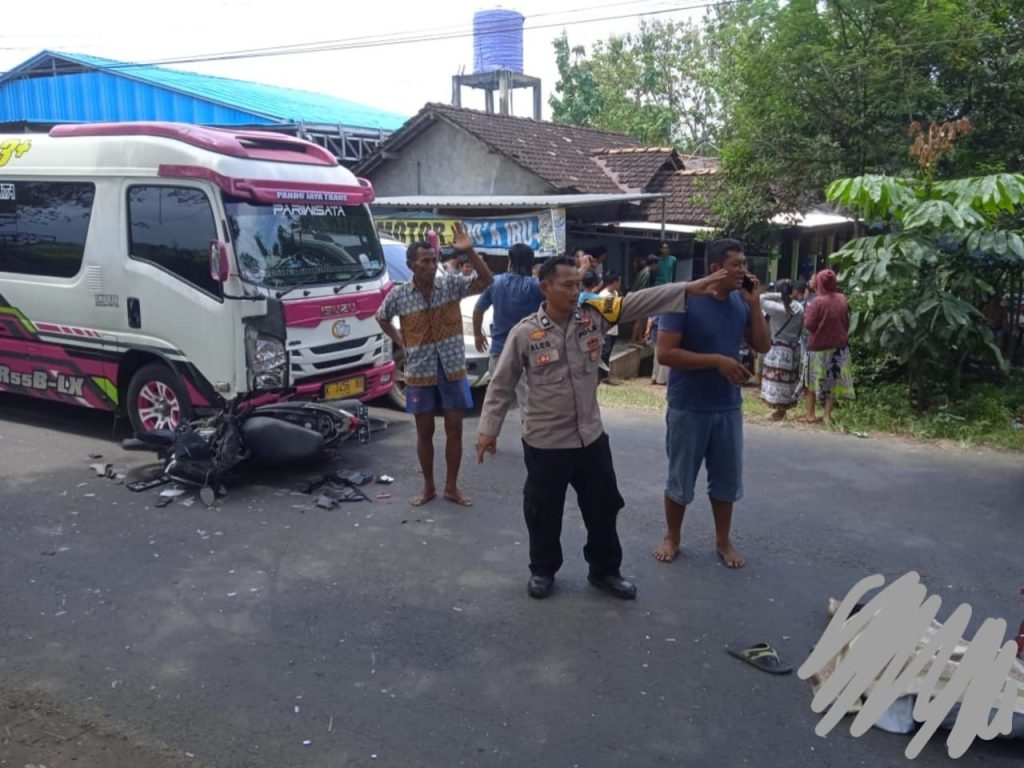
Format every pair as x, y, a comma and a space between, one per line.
266, 360
387, 350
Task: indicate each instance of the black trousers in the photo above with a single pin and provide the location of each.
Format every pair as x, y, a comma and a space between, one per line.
589, 470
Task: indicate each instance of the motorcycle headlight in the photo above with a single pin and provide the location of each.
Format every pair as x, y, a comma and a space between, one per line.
267, 360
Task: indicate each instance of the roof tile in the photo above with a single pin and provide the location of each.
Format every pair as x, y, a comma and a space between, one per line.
559, 154
689, 197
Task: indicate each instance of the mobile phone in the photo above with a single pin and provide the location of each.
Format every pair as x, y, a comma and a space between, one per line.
748, 284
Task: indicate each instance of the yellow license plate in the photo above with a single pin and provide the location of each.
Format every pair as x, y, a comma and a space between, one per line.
346, 388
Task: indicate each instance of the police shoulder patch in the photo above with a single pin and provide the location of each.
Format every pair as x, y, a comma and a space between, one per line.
538, 335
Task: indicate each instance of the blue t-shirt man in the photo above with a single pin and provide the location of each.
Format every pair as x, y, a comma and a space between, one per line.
709, 327
513, 297
704, 421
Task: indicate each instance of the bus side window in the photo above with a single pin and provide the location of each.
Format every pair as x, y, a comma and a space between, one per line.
172, 227
43, 226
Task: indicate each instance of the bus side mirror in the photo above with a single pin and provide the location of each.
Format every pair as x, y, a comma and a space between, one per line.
218, 261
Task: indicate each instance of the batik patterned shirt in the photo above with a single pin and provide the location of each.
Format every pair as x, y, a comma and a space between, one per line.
431, 330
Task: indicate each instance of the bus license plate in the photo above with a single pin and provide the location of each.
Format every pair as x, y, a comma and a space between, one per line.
339, 390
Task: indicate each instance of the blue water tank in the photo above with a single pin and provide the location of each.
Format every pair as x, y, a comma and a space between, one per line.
497, 40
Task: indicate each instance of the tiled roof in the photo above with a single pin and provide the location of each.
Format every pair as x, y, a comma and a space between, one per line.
689, 197
561, 155
634, 167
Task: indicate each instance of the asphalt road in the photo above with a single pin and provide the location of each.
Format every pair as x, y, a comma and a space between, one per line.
388, 635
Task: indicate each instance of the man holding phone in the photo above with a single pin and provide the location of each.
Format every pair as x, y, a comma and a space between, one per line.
704, 418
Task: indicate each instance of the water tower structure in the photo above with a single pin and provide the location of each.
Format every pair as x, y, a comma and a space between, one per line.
497, 61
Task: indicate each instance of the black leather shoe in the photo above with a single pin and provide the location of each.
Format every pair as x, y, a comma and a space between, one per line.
615, 586
540, 586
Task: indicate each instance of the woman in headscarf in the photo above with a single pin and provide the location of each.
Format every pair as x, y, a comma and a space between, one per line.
780, 372
828, 374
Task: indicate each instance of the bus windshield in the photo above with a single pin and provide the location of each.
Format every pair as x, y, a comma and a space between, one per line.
281, 246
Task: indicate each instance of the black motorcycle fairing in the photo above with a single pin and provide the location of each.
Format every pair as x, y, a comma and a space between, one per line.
274, 442
328, 421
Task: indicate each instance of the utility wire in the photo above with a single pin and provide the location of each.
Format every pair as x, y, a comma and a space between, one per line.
430, 33
363, 42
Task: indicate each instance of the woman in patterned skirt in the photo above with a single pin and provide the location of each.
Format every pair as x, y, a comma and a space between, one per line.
780, 372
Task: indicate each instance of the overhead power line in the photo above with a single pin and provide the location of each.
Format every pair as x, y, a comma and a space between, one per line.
409, 38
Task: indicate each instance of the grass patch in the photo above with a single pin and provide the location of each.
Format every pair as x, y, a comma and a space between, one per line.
984, 417
633, 393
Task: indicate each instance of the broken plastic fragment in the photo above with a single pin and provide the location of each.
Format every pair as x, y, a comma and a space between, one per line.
100, 469
325, 502
207, 496
385, 479
353, 477
172, 493
144, 485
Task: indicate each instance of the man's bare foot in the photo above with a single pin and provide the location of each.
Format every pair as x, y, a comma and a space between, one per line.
731, 557
459, 498
423, 498
779, 414
668, 550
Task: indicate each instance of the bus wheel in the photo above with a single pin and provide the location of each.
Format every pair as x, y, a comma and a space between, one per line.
156, 400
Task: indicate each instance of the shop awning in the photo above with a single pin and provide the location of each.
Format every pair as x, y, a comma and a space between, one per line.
423, 202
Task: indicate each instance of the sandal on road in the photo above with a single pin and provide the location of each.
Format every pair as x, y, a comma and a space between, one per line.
760, 655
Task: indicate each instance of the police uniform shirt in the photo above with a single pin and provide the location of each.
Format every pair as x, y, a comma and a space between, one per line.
561, 367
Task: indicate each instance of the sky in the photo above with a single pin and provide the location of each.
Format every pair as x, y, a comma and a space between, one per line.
398, 77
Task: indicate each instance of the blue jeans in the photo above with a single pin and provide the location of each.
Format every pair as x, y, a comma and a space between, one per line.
714, 438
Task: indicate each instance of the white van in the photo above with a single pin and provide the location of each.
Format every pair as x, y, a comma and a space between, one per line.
156, 268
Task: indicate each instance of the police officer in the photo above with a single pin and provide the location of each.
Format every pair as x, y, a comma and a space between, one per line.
558, 349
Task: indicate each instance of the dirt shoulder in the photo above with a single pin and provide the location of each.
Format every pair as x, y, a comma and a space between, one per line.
36, 731
641, 394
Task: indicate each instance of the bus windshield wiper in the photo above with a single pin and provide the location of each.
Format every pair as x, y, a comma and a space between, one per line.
305, 283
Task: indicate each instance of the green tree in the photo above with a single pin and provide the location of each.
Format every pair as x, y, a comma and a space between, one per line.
946, 248
812, 90
576, 99
655, 84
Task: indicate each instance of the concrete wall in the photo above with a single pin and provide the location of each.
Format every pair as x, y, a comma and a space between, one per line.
447, 161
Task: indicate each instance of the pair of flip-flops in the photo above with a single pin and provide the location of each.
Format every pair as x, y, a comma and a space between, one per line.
419, 501
760, 655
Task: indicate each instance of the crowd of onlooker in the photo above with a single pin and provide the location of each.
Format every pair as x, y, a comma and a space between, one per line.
809, 321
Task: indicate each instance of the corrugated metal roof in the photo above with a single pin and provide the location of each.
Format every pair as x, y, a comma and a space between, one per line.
651, 226
811, 219
506, 201
109, 91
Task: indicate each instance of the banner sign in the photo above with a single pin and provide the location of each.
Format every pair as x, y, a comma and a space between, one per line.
544, 231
